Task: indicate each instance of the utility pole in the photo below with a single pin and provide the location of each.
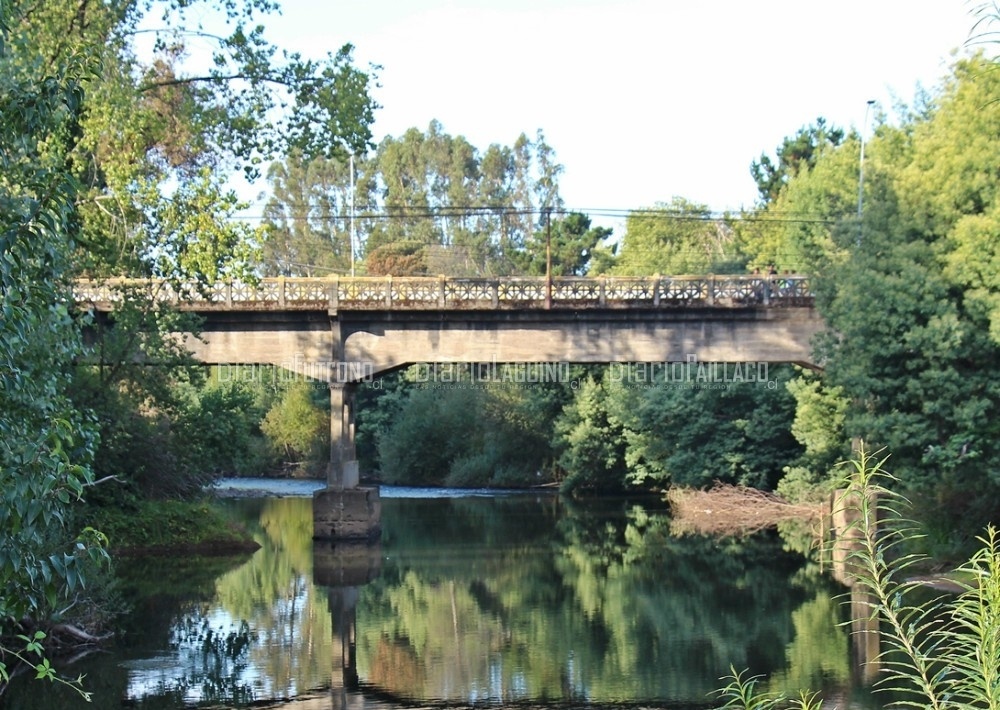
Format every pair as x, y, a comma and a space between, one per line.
548, 258
861, 172
352, 216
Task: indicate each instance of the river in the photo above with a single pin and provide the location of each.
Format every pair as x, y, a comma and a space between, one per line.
470, 598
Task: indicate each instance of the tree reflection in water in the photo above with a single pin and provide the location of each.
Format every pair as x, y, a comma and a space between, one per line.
518, 597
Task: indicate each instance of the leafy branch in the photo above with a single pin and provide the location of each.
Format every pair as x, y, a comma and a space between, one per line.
42, 667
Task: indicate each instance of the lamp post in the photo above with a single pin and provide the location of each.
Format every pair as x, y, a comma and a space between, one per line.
548, 258
861, 170
352, 215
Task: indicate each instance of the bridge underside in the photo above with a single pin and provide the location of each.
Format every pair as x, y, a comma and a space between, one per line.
348, 347
353, 346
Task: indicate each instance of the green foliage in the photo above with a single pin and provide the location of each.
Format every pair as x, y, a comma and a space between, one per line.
818, 425
156, 137
650, 427
47, 445
221, 427
944, 652
463, 433
139, 408
811, 224
591, 443
819, 416
741, 693
191, 235
680, 237
169, 525
572, 242
161, 132
298, 426
796, 155
908, 293
608, 430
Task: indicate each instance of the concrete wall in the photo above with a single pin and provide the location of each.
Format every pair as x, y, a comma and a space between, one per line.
352, 345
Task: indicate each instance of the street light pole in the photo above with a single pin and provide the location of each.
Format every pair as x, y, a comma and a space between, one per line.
352, 216
861, 170
548, 258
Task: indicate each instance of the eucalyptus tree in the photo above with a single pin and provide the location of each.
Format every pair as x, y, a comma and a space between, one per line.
308, 217
435, 189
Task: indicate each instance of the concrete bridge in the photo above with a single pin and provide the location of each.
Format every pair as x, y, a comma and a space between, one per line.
348, 330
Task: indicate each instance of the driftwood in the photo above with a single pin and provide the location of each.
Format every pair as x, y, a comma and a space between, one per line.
75, 636
730, 510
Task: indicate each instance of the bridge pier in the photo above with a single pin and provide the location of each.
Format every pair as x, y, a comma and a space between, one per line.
345, 510
342, 471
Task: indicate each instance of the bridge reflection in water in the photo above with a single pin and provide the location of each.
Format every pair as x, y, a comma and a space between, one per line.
342, 569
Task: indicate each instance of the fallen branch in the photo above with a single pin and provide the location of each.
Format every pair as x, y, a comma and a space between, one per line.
730, 510
78, 635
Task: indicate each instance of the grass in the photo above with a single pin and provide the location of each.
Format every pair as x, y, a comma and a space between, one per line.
152, 527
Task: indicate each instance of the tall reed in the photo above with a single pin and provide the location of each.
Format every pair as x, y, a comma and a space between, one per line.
941, 653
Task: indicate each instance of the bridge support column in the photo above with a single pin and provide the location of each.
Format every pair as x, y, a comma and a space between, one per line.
343, 469
344, 510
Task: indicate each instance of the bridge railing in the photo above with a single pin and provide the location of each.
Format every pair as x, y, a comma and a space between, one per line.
416, 293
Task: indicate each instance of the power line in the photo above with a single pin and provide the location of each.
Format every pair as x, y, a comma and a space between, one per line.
393, 213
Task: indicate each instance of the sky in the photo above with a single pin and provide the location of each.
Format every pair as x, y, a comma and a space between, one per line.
642, 100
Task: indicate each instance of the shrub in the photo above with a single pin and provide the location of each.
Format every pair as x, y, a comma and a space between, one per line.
942, 652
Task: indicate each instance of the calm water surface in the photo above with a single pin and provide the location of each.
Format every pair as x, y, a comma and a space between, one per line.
478, 599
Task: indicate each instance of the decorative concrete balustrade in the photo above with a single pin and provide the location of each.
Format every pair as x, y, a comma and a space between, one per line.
416, 293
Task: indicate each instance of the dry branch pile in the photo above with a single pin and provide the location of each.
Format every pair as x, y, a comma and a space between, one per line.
732, 510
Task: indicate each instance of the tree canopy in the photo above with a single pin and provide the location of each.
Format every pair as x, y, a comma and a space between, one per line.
425, 202
910, 292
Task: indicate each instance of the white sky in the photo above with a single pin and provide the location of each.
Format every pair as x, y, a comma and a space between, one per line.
641, 100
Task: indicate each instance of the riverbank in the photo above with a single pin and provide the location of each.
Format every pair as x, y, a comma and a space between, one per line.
171, 527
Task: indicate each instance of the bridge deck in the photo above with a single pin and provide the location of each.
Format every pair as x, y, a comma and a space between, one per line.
430, 293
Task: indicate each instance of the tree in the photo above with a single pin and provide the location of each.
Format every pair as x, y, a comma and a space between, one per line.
45, 456
299, 427
679, 237
308, 217
461, 429
795, 155
591, 443
907, 293
473, 213
160, 134
689, 425
156, 140
572, 241
818, 426
811, 224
